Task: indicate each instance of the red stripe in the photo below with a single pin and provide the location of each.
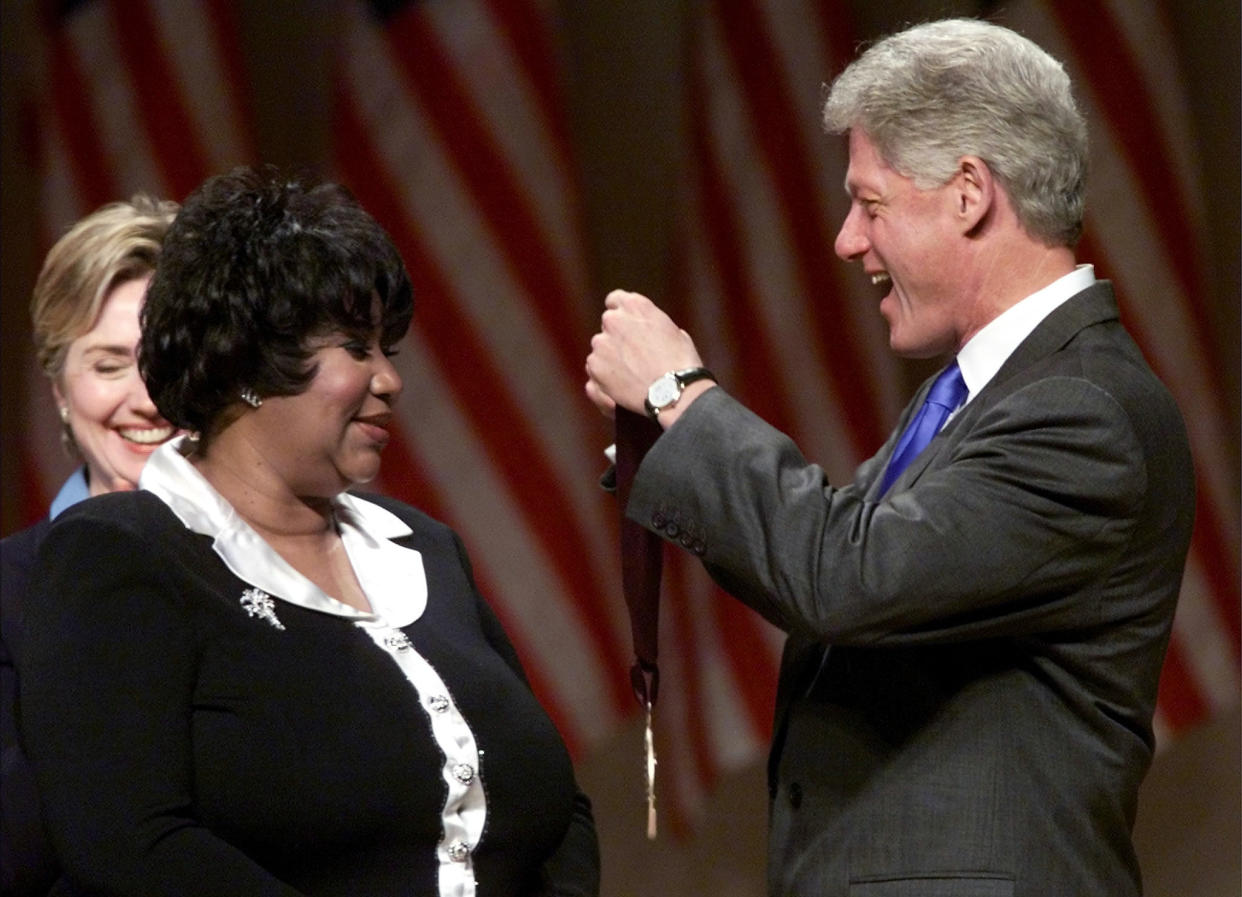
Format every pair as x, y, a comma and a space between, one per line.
773, 111
33, 500
1123, 97
753, 668
1218, 569
838, 33
77, 125
474, 379
404, 478
494, 189
513, 452
157, 99
718, 215
228, 43
1178, 699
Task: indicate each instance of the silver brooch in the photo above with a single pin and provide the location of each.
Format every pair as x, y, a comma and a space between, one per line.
258, 603
398, 641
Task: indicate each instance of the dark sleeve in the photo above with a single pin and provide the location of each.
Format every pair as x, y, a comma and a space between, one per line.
573, 870
108, 674
997, 538
27, 864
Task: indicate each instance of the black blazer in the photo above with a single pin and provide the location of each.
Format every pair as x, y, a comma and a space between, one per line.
966, 695
28, 865
184, 747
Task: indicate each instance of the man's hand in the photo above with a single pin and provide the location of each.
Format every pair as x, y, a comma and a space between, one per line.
637, 343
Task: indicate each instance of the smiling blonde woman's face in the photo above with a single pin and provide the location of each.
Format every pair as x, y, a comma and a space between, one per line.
114, 422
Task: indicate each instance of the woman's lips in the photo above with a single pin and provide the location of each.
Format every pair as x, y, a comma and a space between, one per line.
375, 426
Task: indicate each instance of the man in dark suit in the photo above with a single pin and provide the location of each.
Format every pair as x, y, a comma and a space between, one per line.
976, 624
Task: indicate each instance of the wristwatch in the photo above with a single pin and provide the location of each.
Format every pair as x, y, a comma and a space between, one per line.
666, 390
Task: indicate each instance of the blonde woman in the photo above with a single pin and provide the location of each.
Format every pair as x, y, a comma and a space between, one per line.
84, 311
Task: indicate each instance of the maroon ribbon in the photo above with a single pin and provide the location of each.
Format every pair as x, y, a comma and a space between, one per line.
642, 555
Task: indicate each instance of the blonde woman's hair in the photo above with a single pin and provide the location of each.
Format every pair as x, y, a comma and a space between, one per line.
117, 243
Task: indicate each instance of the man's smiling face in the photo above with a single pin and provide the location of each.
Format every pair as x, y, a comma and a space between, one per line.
907, 240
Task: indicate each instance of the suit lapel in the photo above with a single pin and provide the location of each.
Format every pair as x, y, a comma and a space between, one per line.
1094, 305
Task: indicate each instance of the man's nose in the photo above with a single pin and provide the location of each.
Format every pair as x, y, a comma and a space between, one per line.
851, 241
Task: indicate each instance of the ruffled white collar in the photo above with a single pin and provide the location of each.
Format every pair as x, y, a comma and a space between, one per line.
391, 576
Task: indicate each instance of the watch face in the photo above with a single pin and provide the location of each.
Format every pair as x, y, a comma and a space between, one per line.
664, 391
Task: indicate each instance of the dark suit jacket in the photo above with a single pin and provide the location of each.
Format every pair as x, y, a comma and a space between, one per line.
981, 720
27, 864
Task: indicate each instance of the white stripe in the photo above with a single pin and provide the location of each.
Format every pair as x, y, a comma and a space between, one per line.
808, 67
511, 114
731, 736
543, 618
189, 39
1206, 648
557, 412
127, 152
60, 203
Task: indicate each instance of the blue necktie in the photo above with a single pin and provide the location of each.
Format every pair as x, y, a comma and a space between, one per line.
942, 400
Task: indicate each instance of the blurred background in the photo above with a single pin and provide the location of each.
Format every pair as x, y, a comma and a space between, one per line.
527, 156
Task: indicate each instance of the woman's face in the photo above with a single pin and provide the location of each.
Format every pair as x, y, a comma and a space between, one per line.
114, 422
329, 437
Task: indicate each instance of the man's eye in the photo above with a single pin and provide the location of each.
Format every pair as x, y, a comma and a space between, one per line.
390, 351
358, 349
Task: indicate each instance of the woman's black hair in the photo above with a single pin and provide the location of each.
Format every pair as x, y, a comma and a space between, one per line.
257, 263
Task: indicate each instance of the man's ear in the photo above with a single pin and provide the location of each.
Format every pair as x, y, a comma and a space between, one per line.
974, 193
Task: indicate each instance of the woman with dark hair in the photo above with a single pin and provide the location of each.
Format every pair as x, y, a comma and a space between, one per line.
269, 685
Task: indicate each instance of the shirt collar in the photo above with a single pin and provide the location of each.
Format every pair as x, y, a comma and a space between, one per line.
988, 349
73, 491
391, 576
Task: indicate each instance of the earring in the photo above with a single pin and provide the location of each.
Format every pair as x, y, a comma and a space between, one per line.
251, 398
64, 414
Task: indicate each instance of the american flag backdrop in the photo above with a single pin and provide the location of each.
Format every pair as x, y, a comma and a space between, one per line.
150, 96
449, 122
785, 326
450, 127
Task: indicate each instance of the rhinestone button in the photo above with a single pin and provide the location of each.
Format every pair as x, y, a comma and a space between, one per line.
464, 773
459, 851
439, 703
